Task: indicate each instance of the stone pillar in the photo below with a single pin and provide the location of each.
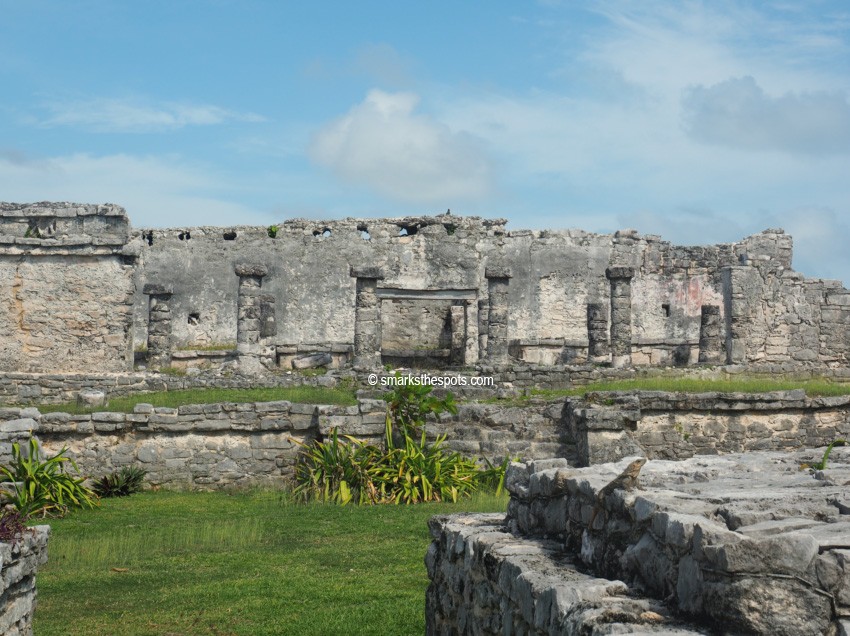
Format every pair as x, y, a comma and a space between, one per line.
621, 315
483, 311
159, 325
254, 355
743, 291
710, 336
458, 324
497, 314
367, 318
471, 308
597, 332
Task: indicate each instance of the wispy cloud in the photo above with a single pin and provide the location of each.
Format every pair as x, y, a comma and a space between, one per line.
738, 114
164, 189
383, 144
128, 115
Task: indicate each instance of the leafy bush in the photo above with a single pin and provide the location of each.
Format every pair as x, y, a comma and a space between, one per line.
418, 472
122, 483
407, 470
336, 471
409, 405
44, 486
12, 525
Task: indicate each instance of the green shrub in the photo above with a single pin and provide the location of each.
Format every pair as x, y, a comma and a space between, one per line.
419, 472
407, 470
122, 483
337, 471
44, 486
409, 405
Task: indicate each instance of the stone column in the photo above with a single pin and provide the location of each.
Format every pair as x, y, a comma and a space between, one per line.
471, 309
497, 314
159, 325
458, 324
367, 318
597, 332
483, 311
254, 356
621, 314
710, 336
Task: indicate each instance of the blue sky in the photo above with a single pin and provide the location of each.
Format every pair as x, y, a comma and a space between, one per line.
700, 121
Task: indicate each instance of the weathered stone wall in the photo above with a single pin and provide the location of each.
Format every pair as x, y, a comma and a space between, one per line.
738, 544
610, 425
18, 565
66, 288
485, 582
76, 261
554, 276
215, 445
743, 543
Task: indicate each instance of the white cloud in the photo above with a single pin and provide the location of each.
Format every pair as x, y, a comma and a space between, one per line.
738, 114
383, 144
125, 115
154, 190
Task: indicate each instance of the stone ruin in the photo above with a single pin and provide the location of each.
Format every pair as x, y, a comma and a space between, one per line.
81, 290
731, 536
734, 544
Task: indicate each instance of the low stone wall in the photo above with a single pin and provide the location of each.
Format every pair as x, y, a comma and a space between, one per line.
193, 446
746, 543
610, 425
487, 583
45, 388
18, 565
233, 445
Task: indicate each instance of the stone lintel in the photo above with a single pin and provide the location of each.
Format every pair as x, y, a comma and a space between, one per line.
497, 272
155, 289
251, 269
367, 271
620, 272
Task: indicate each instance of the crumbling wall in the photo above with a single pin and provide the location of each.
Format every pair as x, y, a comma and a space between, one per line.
66, 288
743, 543
608, 426
19, 562
68, 269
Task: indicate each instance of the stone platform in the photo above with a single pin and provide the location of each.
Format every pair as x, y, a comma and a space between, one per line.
753, 543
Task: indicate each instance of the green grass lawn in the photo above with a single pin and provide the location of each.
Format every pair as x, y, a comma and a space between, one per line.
225, 564
743, 384
302, 394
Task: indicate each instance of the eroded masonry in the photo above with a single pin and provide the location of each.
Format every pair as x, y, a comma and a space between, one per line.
732, 530
81, 290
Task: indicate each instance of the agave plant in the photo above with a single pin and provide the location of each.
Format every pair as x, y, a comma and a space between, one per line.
122, 483
337, 471
42, 486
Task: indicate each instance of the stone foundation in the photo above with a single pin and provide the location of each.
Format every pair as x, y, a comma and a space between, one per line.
18, 565
746, 543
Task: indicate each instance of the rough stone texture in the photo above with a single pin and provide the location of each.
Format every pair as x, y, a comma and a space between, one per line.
748, 543
214, 445
486, 582
497, 314
608, 426
555, 276
18, 564
66, 288
621, 314
255, 320
710, 336
597, 332
159, 326
367, 321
